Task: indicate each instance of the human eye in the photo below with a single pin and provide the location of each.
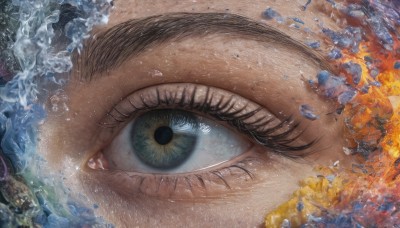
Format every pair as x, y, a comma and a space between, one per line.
227, 92
184, 136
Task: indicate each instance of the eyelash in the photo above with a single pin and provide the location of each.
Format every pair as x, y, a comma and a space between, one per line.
247, 117
196, 183
277, 138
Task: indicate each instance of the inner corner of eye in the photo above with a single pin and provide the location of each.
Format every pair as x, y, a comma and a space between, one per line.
98, 162
170, 141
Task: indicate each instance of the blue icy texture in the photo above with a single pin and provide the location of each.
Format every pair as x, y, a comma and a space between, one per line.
270, 14
355, 70
20, 111
298, 20
314, 44
380, 29
360, 213
333, 87
397, 65
335, 54
307, 112
381, 16
306, 5
350, 38
389, 12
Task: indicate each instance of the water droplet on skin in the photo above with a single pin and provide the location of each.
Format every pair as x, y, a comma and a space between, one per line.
155, 73
58, 102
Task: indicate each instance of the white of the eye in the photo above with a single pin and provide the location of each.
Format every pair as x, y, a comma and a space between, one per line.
216, 144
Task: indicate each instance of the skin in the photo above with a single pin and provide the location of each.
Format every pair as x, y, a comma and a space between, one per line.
257, 72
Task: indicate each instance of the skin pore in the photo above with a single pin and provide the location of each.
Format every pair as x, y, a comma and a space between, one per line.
271, 75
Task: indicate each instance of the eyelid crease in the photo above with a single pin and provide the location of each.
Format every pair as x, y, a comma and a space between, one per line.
249, 118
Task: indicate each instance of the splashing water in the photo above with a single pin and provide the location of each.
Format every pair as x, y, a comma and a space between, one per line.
49, 31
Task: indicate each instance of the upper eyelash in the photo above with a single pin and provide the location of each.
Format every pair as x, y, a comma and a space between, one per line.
280, 142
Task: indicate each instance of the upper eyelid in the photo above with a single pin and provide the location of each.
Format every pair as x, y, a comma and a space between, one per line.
249, 118
112, 47
141, 102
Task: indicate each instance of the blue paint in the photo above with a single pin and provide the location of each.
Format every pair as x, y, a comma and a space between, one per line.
355, 70
335, 54
340, 40
375, 83
349, 38
270, 14
365, 89
386, 206
357, 206
397, 65
306, 5
307, 112
298, 20
311, 82
323, 77
330, 178
380, 29
331, 2
300, 206
368, 59
314, 44
346, 96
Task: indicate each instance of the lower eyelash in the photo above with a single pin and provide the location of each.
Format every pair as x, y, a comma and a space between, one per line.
248, 118
195, 185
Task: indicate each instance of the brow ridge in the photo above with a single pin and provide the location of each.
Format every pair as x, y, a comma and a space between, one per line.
109, 49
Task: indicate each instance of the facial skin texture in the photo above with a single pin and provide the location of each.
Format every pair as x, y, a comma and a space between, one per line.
270, 74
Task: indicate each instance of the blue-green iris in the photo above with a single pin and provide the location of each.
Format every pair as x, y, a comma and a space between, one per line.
165, 138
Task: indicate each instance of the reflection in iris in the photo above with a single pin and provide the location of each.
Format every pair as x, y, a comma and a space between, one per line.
164, 139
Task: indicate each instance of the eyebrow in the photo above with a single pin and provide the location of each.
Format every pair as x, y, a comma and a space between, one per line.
109, 49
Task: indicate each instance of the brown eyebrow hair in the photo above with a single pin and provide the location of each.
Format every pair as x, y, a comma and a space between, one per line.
109, 49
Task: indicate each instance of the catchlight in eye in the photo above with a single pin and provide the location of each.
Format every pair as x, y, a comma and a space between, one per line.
164, 139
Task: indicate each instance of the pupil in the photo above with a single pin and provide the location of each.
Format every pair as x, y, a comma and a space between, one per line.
163, 135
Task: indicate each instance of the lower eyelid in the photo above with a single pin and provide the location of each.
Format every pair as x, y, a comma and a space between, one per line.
227, 179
